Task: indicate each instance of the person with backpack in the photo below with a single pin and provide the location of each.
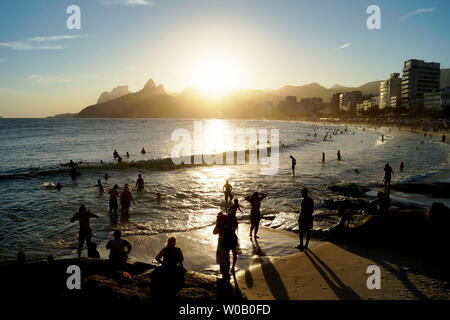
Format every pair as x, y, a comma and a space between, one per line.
227, 242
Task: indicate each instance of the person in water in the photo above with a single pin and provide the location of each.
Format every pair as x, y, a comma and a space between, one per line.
227, 190
127, 155
305, 220
227, 241
119, 159
402, 166
119, 248
115, 154
139, 183
106, 176
100, 186
255, 213
294, 162
143, 150
234, 224
113, 196
388, 172
323, 156
125, 199
92, 251
443, 138
339, 155
85, 234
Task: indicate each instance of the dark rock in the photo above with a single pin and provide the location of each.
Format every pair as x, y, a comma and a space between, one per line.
440, 189
348, 189
346, 204
194, 295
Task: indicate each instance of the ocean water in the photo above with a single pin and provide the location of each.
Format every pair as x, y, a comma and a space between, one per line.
35, 218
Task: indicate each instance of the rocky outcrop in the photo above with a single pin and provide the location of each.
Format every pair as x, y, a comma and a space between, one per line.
348, 189
115, 93
439, 189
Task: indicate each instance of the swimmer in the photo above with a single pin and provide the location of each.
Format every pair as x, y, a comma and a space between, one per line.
139, 183
128, 155
100, 186
339, 155
106, 176
125, 199
143, 150
323, 156
119, 159
113, 195
294, 162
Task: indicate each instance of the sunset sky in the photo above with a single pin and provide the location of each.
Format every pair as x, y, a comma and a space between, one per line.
46, 69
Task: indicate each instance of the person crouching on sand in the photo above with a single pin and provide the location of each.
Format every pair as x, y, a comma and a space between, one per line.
125, 199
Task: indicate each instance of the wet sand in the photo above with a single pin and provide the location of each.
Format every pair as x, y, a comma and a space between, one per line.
199, 247
331, 272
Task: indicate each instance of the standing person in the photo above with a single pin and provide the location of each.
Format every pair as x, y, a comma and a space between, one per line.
125, 199
100, 186
339, 155
113, 195
227, 190
115, 154
255, 213
388, 172
305, 221
117, 246
128, 155
234, 224
402, 166
143, 150
294, 162
85, 233
139, 183
443, 138
227, 241
323, 156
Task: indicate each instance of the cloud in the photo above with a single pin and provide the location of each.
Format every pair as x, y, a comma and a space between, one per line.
23, 46
417, 12
345, 45
52, 38
35, 43
128, 3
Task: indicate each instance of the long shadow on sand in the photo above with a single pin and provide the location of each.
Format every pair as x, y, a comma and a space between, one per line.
398, 272
271, 275
341, 290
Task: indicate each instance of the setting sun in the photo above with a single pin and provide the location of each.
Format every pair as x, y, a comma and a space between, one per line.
216, 75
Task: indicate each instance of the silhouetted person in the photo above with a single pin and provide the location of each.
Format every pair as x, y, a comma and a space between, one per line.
92, 251
339, 155
323, 156
227, 191
388, 172
85, 234
305, 221
255, 213
58, 186
443, 138
125, 199
170, 256
143, 150
382, 137
119, 159
127, 155
139, 183
294, 162
234, 224
171, 272
50, 259
21, 259
113, 196
402, 166
118, 248
100, 186
227, 241
106, 176
115, 154
380, 205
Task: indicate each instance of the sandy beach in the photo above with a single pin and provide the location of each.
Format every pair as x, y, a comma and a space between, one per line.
330, 272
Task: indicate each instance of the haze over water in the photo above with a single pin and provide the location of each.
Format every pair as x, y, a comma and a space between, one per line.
35, 219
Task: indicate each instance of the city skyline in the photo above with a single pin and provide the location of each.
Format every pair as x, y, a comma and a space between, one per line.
47, 69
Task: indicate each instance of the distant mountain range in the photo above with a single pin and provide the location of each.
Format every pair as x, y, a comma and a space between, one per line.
154, 102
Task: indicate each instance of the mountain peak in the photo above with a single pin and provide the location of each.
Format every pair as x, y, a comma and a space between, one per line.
338, 87
150, 84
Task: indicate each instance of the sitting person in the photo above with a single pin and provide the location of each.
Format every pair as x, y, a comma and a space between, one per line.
117, 247
380, 205
92, 251
171, 272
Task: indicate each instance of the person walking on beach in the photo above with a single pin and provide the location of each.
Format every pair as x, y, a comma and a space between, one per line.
388, 172
85, 234
402, 166
113, 196
227, 190
100, 186
294, 162
119, 248
125, 199
339, 155
305, 220
227, 241
255, 213
139, 183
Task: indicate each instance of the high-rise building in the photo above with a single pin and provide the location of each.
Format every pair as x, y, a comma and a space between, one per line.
419, 77
334, 102
390, 88
437, 100
349, 100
